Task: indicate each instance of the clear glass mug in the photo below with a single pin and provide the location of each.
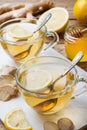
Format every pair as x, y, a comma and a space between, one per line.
35, 76
19, 41
73, 45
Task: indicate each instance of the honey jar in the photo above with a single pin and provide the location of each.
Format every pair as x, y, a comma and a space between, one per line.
75, 43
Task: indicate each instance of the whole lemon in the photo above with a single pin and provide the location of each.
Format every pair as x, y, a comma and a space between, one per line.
80, 11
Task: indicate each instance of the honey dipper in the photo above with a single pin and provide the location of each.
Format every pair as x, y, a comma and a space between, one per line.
78, 33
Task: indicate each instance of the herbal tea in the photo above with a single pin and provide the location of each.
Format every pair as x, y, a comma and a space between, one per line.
20, 42
39, 76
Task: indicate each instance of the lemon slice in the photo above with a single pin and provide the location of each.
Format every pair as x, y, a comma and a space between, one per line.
16, 120
59, 19
38, 79
21, 30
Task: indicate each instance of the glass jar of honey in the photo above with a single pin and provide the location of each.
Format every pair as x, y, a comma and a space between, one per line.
75, 41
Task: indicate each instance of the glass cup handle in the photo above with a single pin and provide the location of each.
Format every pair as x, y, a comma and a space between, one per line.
55, 40
81, 89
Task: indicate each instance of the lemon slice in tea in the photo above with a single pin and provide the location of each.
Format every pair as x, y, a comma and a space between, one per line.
21, 30
38, 79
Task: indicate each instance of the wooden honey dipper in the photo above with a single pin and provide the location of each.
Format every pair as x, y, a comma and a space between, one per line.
78, 33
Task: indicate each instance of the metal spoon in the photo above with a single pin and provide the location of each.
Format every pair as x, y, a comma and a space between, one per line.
76, 59
37, 29
43, 22
46, 105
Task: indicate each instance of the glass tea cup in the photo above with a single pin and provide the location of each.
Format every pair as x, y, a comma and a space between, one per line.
37, 74
19, 41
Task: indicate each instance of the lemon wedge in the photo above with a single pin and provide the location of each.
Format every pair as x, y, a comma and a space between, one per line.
38, 79
59, 19
21, 30
16, 120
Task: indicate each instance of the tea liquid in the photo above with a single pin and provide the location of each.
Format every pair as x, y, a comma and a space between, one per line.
40, 76
20, 42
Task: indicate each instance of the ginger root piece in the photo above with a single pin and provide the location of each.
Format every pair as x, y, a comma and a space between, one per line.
5, 8
8, 87
9, 7
2, 127
19, 13
9, 11
65, 124
6, 70
7, 92
49, 125
62, 124
30, 18
41, 6
17, 6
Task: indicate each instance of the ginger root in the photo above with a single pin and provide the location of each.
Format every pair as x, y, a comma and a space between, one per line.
65, 124
62, 124
8, 7
2, 127
27, 10
8, 86
8, 70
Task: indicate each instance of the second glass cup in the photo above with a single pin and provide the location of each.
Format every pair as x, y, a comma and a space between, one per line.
19, 41
35, 77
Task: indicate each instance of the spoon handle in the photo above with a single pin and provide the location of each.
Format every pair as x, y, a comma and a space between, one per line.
44, 22
73, 63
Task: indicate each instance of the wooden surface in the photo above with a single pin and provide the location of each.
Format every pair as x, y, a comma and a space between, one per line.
68, 4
